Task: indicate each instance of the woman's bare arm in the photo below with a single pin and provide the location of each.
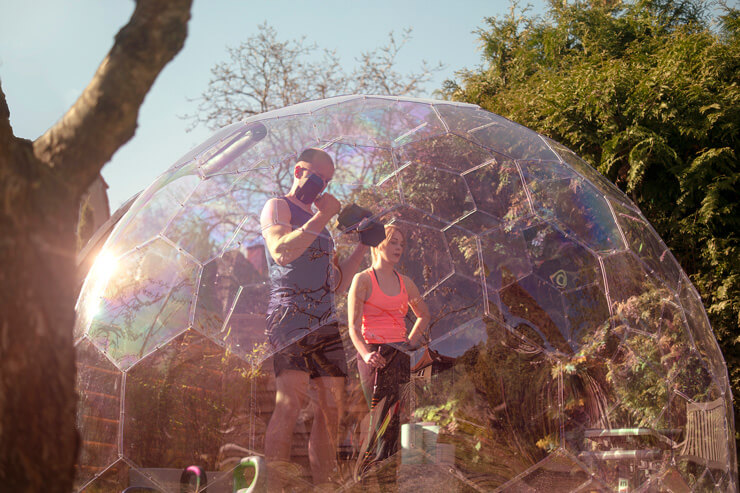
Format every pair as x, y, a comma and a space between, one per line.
359, 292
420, 309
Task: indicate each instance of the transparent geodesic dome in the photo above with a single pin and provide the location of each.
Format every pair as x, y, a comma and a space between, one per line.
567, 351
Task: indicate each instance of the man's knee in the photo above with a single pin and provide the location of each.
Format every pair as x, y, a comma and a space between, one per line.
330, 392
292, 390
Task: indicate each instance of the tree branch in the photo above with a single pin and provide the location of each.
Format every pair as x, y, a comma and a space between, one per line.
6, 131
105, 116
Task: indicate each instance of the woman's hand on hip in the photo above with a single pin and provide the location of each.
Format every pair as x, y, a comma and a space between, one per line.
374, 359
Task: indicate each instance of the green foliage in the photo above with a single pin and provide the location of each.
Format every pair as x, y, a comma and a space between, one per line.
646, 90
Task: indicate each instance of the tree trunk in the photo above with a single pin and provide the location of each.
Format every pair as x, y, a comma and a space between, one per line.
41, 183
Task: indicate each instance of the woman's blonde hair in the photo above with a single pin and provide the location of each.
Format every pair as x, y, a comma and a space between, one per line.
389, 229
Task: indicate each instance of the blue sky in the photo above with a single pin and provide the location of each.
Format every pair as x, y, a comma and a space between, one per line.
49, 51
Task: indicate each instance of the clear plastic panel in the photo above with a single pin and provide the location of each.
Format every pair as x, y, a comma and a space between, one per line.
497, 190
565, 197
647, 246
437, 192
248, 236
136, 314
586, 312
185, 403
448, 152
590, 173
365, 176
535, 309
701, 331
477, 222
357, 122
504, 257
118, 477
628, 283
465, 253
285, 137
494, 424
305, 107
88, 303
512, 140
640, 383
99, 412
559, 260
452, 304
459, 119
144, 222
209, 219
421, 119
254, 188
495, 132
377, 122
232, 301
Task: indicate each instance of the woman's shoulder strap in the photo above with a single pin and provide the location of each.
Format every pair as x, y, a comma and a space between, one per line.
401, 281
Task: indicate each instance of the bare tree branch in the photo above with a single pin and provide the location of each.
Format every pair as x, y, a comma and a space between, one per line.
40, 185
6, 131
104, 117
264, 73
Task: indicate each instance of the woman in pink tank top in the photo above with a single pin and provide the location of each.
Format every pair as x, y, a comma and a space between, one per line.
379, 299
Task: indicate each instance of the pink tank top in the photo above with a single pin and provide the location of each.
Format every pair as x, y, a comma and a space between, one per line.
382, 315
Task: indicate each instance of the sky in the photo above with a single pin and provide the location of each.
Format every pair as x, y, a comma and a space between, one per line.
49, 51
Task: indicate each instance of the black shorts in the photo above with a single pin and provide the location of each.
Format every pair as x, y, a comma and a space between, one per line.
319, 353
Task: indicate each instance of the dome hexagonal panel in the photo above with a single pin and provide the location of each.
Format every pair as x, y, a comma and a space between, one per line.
377, 122
184, 402
495, 132
448, 152
232, 299
364, 175
438, 192
209, 219
151, 212
504, 257
587, 171
498, 191
120, 473
99, 412
644, 243
134, 315
565, 197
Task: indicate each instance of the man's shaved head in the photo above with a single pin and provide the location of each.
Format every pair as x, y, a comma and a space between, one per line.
316, 157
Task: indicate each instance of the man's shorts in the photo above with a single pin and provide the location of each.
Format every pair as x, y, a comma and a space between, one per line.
320, 354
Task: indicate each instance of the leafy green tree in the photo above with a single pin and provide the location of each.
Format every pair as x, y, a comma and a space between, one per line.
646, 91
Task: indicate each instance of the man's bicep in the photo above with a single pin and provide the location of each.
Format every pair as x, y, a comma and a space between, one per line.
275, 213
275, 222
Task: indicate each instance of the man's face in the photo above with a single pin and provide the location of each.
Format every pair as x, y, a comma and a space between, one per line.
323, 170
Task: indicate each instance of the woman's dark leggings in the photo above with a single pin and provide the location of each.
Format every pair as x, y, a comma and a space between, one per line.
385, 386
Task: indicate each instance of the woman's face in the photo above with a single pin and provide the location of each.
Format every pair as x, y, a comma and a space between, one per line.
391, 250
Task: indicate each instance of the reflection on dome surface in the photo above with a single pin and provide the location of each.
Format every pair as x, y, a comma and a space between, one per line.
566, 349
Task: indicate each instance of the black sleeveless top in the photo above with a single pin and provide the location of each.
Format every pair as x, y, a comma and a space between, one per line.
301, 292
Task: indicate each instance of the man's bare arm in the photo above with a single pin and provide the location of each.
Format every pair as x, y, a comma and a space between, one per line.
285, 244
349, 267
